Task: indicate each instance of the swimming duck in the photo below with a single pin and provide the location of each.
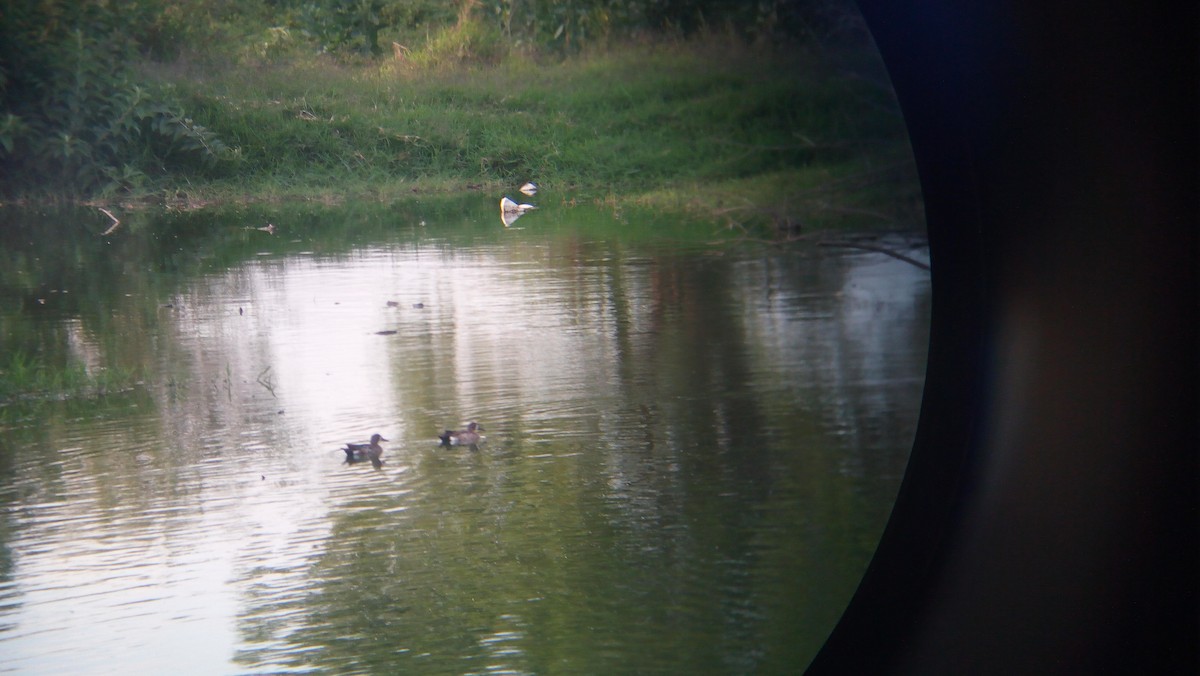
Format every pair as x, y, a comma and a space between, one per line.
371, 451
529, 188
467, 437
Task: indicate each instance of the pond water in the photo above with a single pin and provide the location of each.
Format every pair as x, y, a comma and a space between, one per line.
691, 448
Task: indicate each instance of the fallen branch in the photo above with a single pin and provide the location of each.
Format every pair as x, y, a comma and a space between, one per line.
116, 222
788, 236
266, 382
878, 249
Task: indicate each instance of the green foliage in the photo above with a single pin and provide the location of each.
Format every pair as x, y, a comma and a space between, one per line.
470, 41
682, 120
565, 25
561, 26
288, 95
26, 377
74, 120
275, 43
345, 24
568, 25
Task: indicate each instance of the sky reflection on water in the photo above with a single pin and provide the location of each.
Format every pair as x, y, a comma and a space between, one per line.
689, 459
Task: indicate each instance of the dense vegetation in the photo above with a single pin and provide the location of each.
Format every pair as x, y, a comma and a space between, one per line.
775, 106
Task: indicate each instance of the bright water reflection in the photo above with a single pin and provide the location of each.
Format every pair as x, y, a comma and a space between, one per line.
691, 453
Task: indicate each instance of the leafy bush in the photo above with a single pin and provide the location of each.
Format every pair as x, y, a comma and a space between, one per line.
468, 41
77, 119
72, 119
562, 26
567, 25
345, 24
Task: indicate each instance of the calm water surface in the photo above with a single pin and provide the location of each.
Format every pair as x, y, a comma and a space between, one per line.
691, 449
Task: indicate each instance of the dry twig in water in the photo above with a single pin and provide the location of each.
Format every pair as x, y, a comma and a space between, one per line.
878, 249
116, 222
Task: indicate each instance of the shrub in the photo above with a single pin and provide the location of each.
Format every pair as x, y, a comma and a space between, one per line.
72, 119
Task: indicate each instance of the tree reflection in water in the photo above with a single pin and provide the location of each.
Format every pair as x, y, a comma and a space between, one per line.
690, 456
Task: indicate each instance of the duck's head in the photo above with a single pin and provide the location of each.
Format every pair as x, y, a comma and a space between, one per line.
376, 438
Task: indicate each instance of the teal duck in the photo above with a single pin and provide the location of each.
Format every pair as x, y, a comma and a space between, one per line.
371, 451
467, 437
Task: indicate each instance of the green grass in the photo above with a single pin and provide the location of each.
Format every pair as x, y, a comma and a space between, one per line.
23, 378
703, 125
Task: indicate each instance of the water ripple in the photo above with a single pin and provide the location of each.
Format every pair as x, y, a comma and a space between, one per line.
687, 457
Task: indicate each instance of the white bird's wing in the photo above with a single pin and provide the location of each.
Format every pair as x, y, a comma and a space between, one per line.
510, 211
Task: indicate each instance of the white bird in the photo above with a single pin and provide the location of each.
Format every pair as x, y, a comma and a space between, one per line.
510, 211
529, 188
508, 206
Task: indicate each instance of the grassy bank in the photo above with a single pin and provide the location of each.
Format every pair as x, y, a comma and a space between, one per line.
710, 125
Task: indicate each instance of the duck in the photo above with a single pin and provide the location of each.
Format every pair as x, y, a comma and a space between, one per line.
529, 188
371, 451
468, 437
